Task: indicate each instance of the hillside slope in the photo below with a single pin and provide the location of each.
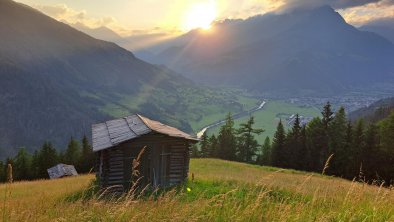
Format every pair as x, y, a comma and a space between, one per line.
313, 51
221, 191
385, 31
374, 112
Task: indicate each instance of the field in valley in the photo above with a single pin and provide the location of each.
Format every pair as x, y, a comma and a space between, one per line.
197, 107
268, 117
221, 191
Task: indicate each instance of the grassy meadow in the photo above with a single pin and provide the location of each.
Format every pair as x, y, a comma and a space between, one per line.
220, 191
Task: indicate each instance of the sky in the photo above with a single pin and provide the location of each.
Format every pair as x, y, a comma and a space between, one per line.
130, 17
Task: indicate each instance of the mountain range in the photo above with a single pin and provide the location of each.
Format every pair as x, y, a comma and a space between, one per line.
56, 81
300, 52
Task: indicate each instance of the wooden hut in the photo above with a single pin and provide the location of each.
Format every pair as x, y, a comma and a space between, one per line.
118, 142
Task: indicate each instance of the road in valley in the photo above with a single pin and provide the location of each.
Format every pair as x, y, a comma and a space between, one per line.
235, 116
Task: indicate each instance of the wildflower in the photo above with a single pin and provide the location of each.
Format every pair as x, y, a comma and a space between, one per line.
188, 189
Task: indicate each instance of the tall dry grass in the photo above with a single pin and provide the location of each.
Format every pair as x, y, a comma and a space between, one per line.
221, 191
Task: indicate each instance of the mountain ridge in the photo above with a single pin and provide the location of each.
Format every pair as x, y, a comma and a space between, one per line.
313, 50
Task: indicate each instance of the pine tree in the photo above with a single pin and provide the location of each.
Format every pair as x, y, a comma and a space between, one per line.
371, 156
358, 146
265, 154
86, 162
293, 146
337, 143
247, 144
386, 133
278, 145
348, 152
195, 152
22, 165
326, 121
227, 141
35, 165
205, 146
327, 115
303, 155
47, 159
73, 153
2, 172
316, 144
213, 143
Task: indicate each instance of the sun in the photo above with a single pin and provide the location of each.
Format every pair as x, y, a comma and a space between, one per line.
200, 15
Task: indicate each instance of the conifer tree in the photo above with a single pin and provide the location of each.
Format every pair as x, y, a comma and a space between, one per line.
358, 146
348, 152
293, 145
205, 146
303, 155
265, 154
371, 155
247, 144
22, 165
227, 140
387, 133
195, 153
213, 143
327, 115
2, 172
35, 165
73, 153
316, 144
337, 143
86, 161
47, 159
278, 145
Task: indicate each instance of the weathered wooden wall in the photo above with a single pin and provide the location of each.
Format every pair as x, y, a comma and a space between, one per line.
111, 167
164, 163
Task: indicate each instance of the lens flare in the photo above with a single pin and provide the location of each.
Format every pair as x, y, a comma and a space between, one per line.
200, 15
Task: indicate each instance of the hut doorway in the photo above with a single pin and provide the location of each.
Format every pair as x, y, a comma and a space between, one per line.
160, 162
144, 168
165, 166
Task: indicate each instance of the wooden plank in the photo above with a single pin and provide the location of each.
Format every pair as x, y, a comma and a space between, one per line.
137, 125
115, 182
114, 177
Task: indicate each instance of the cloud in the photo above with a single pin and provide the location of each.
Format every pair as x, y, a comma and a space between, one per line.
62, 12
355, 12
381, 12
387, 21
289, 5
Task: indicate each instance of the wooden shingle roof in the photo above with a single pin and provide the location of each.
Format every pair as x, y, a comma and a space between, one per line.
111, 133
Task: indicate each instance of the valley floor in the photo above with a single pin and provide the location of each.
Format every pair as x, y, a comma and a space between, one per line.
221, 191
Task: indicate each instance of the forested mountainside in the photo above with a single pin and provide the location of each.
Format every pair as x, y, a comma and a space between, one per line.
375, 112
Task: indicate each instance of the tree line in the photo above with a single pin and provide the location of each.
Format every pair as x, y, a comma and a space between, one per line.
27, 166
329, 144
